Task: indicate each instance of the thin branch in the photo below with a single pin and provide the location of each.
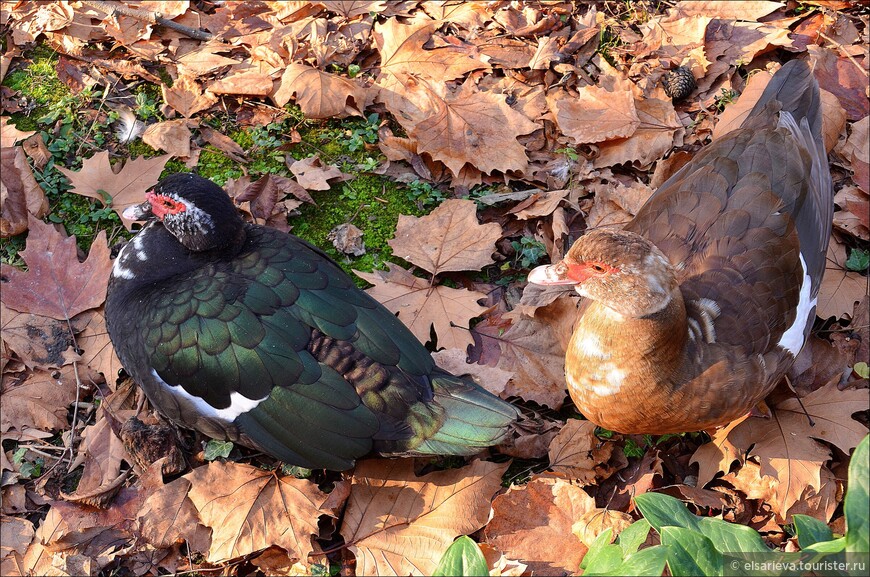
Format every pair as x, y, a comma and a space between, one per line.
148, 16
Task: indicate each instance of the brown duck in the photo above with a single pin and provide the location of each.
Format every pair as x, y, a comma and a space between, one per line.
699, 306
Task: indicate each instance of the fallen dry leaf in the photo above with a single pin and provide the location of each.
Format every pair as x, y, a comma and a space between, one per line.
97, 350
168, 516
841, 288
187, 97
454, 361
532, 524
56, 284
10, 135
97, 179
399, 524
39, 400
39, 341
102, 453
857, 150
654, 136
243, 82
596, 521
786, 444
249, 509
320, 94
313, 174
595, 114
854, 216
577, 453
422, 306
171, 136
448, 239
20, 194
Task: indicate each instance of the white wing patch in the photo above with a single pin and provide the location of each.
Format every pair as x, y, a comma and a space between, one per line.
238, 403
792, 339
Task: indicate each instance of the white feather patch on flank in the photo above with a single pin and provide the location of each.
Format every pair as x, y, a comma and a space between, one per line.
792, 339
609, 381
238, 403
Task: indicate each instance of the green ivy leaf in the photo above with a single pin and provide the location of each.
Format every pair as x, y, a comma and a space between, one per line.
633, 536
857, 501
601, 556
215, 449
663, 510
463, 557
858, 260
810, 530
690, 553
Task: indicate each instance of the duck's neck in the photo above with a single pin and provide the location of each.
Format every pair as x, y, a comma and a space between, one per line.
615, 356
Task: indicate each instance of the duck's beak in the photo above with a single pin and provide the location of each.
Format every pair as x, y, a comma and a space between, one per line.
138, 211
551, 274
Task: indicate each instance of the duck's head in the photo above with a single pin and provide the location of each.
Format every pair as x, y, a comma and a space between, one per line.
621, 270
194, 209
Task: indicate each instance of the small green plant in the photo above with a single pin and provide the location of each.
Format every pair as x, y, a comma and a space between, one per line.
296, 471
27, 469
462, 558
858, 260
692, 545
215, 449
570, 152
424, 194
724, 99
528, 252
361, 133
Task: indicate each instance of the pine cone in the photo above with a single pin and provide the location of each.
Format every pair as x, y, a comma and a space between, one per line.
679, 83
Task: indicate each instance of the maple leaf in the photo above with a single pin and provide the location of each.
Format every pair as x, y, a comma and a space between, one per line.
595, 114
786, 444
855, 150
9, 133
320, 94
56, 284
38, 401
399, 524
532, 523
422, 306
447, 239
249, 509
97, 179
243, 82
20, 194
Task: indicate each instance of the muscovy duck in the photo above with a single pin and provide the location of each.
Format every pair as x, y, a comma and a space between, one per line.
249, 334
699, 306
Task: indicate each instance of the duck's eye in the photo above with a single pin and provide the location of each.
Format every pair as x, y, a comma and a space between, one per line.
597, 268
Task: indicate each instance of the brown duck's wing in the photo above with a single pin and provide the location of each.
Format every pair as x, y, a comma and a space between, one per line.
728, 224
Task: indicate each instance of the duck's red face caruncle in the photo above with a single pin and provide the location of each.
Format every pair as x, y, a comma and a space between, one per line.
161, 205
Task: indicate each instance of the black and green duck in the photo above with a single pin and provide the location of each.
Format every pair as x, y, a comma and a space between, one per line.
249, 334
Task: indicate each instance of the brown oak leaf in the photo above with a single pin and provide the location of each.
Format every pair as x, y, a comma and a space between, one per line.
577, 453
39, 341
98, 179
447, 239
422, 306
171, 136
37, 401
841, 288
312, 174
56, 284
399, 524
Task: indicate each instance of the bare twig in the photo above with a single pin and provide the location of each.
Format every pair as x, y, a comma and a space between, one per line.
148, 16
